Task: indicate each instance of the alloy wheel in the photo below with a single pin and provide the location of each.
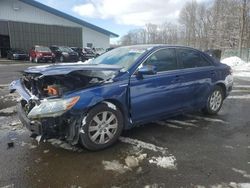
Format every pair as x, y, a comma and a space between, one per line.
103, 127
215, 100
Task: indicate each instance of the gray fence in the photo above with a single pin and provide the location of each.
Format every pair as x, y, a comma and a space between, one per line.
235, 52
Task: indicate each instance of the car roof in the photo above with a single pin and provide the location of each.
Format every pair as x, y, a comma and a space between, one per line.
154, 46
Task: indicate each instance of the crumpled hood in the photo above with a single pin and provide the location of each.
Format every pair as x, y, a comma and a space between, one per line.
66, 68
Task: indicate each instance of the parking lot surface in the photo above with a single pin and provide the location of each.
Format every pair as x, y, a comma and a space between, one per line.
191, 150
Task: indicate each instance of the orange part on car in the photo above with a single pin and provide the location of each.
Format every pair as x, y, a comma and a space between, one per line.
72, 102
52, 90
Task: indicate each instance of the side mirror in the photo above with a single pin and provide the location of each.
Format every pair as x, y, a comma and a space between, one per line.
147, 70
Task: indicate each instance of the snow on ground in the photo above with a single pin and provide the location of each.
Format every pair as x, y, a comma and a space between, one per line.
164, 162
226, 185
242, 172
240, 67
9, 110
239, 97
233, 61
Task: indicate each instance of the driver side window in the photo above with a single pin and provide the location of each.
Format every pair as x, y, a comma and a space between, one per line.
163, 60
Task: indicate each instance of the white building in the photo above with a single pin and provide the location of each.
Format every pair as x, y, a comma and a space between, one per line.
24, 23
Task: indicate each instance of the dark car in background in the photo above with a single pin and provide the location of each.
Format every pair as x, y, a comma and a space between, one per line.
64, 54
89, 53
39, 54
128, 86
81, 53
99, 51
17, 54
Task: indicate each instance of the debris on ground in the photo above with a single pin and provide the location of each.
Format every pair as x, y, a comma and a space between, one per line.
10, 144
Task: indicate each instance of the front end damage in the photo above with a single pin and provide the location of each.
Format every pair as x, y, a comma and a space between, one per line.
47, 102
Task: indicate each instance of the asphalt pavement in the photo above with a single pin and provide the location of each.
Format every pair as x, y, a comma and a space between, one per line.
191, 150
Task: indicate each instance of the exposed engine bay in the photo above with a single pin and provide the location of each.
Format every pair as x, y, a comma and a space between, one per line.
57, 85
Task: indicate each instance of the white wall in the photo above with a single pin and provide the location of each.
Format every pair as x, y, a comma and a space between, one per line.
15, 10
99, 40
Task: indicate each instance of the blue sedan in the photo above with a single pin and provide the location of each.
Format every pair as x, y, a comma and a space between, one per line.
92, 102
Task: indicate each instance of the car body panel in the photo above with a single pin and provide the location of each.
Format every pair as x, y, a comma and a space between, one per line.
140, 99
150, 96
66, 68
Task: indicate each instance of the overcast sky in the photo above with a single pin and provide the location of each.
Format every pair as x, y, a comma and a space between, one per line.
120, 16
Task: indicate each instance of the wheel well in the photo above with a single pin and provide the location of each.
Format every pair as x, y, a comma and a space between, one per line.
223, 87
117, 104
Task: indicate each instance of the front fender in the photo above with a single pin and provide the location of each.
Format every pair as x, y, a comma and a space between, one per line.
116, 91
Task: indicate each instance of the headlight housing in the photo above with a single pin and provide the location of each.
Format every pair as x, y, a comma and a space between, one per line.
52, 107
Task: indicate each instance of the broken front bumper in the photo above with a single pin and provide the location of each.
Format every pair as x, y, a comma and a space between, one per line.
34, 126
54, 122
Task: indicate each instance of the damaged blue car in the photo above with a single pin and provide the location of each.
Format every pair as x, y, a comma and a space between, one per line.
92, 102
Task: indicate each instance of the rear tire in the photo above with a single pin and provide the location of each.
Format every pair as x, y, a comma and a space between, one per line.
101, 127
214, 101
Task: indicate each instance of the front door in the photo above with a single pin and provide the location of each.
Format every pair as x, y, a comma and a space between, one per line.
155, 95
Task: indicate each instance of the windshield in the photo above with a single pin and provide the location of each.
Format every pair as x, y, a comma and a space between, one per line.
42, 49
65, 49
123, 56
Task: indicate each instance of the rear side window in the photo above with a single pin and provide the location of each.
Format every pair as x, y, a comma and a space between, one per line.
164, 60
191, 59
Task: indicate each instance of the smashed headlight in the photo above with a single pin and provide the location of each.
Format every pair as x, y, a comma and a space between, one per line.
52, 108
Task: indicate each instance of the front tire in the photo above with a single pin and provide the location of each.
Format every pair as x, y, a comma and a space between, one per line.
101, 127
214, 101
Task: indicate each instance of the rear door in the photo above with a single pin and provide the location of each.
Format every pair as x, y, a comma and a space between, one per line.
155, 95
199, 75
